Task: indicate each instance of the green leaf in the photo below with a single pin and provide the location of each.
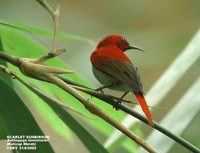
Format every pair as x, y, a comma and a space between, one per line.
17, 119
43, 32
128, 144
167, 81
87, 139
3, 75
47, 113
178, 119
18, 45
21, 46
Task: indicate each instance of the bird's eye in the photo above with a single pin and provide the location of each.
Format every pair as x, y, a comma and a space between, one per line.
122, 39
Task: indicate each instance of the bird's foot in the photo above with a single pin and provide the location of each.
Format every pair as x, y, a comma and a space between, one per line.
103, 87
100, 89
118, 103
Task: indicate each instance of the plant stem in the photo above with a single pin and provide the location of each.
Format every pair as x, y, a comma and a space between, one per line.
94, 109
9, 58
130, 111
55, 16
163, 130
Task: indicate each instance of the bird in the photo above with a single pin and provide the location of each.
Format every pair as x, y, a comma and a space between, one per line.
114, 70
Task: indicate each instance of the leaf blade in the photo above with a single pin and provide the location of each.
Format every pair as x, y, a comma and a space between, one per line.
177, 119
167, 81
44, 32
17, 118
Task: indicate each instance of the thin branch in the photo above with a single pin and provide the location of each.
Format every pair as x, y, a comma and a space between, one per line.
135, 114
89, 105
95, 110
163, 130
48, 56
44, 4
105, 97
111, 101
167, 81
36, 69
39, 92
123, 107
99, 112
56, 28
9, 58
16, 61
53, 78
55, 16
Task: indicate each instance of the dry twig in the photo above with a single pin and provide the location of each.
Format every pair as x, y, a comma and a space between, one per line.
36, 69
36, 90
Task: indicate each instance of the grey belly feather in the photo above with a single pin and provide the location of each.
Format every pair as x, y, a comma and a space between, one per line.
106, 79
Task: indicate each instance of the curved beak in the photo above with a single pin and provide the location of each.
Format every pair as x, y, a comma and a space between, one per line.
135, 47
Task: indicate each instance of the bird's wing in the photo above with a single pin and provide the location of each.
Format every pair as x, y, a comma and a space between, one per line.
125, 72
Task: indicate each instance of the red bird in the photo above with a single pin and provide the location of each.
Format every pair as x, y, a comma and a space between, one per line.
114, 70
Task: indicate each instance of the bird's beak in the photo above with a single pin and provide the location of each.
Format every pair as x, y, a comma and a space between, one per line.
135, 47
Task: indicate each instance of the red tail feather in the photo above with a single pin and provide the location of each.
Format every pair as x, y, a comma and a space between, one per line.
145, 108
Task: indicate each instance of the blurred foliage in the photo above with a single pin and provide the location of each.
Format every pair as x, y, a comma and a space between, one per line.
162, 28
13, 112
20, 46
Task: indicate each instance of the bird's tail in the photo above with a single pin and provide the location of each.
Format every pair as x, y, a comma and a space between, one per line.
145, 107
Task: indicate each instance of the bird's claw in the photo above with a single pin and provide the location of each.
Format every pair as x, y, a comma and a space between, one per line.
99, 89
119, 101
117, 104
105, 86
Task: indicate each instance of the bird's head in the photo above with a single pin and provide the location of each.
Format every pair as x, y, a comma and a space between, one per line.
117, 41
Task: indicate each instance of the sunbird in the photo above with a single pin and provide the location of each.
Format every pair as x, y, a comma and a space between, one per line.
114, 70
